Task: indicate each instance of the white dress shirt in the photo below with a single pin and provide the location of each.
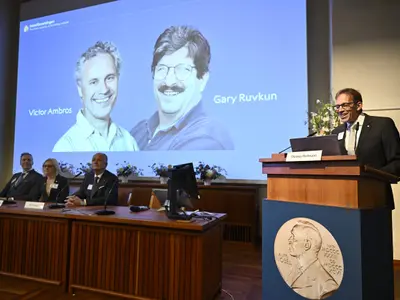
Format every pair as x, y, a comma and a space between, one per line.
82, 136
99, 176
83, 201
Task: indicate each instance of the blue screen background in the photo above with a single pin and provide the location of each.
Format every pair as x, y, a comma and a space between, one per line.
256, 47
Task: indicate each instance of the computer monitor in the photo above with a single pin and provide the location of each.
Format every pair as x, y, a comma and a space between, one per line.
329, 144
182, 187
161, 195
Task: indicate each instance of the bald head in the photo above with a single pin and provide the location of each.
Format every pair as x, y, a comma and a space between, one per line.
99, 163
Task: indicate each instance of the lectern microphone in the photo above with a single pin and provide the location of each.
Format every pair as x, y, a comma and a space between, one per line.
8, 200
356, 128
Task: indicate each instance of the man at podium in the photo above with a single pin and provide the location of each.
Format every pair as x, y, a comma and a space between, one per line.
374, 140
350, 199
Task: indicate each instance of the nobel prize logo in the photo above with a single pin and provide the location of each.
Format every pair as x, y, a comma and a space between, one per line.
26, 28
308, 258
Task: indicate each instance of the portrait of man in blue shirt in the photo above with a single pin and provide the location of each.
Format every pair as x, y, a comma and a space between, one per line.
180, 70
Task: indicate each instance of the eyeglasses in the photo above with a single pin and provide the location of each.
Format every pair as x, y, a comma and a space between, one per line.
345, 106
181, 71
47, 166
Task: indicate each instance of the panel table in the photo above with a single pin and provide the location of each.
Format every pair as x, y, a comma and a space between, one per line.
134, 255
34, 244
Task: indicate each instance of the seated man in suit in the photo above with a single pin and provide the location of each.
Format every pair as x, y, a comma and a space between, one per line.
375, 140
97, 186
24, 185
56, 187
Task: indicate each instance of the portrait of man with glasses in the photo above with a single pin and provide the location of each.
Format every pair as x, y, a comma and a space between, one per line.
374, 140
180, 72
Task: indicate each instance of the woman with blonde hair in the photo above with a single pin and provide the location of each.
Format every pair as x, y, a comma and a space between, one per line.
56, 187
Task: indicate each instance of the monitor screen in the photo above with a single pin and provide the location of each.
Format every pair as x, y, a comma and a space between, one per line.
329, 144
186, 177
161, 195
182, 187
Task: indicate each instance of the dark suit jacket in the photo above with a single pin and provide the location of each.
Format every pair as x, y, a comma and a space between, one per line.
29, 189
62, 188
107, 187
378, 147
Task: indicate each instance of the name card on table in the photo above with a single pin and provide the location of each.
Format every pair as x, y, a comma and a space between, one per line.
34, 205
1, 202
314, 155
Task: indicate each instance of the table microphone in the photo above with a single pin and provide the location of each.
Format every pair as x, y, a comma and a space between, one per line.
57, 204
134, 208
8, 200
105, 212
310, 135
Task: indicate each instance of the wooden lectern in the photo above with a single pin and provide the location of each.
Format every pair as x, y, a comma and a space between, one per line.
347, 201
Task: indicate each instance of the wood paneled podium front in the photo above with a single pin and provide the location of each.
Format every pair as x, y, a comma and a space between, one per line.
326, 230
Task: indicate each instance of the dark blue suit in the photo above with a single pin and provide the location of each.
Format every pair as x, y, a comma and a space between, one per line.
106, 187
28, 188
377, 147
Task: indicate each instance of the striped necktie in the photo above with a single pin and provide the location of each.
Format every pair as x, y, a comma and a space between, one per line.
20, 178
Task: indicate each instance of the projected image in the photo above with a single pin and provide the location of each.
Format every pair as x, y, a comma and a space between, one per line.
223, 82
180, 70
97, 78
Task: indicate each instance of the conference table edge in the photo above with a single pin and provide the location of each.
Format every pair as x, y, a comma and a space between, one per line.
134, 219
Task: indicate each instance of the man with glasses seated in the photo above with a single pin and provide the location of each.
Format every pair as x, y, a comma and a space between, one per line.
374, 140
180, 70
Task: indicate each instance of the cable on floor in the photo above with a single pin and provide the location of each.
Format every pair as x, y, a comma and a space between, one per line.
229, 294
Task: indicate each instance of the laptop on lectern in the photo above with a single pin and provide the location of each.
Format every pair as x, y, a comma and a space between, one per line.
329, 144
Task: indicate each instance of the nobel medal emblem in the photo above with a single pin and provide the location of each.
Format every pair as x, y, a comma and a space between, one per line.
308, 258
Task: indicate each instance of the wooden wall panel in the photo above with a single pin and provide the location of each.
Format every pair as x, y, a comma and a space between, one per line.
140, 263
34, 247
212, 264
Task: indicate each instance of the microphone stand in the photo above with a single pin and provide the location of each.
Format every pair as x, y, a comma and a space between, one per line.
356, 128
284, 149
57, 204
105, 212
